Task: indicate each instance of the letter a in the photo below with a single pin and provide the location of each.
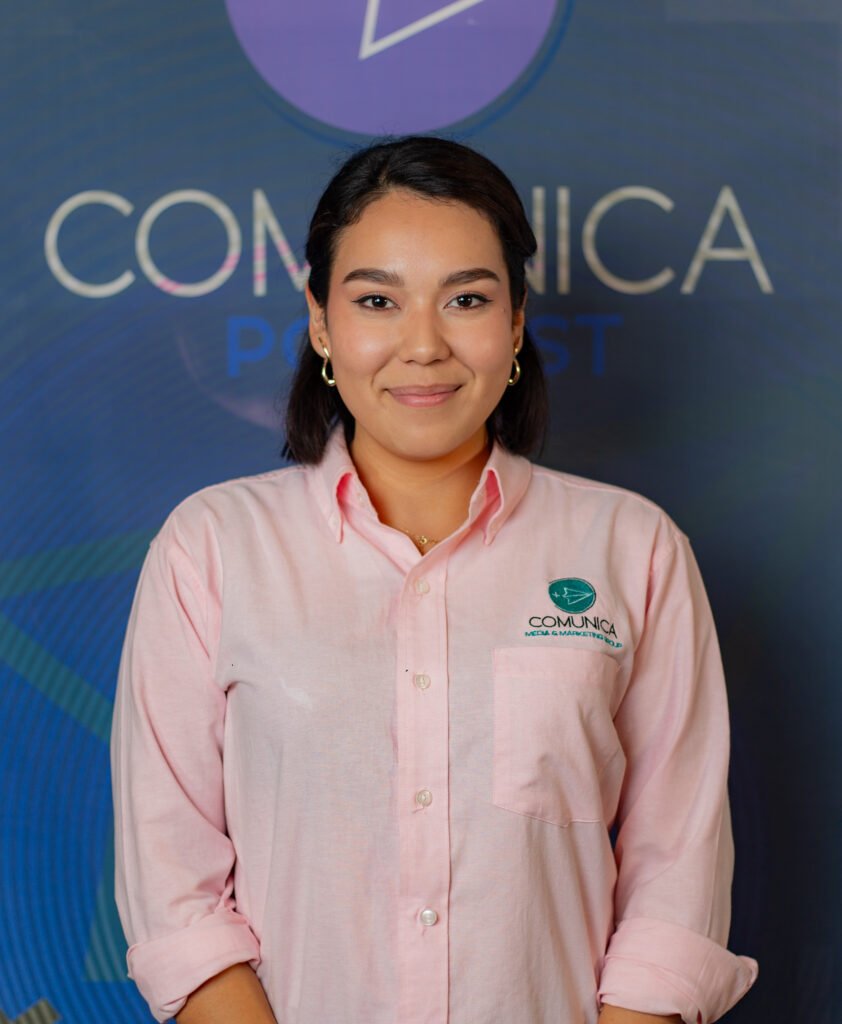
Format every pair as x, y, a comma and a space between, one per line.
726, 203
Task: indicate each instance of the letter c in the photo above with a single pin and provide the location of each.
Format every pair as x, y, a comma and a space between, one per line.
592, 222
54, 262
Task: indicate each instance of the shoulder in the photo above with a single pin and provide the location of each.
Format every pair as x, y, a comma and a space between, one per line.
620, 507
233, 504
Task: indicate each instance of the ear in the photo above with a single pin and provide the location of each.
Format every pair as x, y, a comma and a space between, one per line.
519, 323
317, 327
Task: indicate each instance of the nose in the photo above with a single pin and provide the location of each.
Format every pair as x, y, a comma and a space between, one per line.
423, 337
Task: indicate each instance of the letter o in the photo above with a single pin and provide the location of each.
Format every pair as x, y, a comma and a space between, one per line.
232, 230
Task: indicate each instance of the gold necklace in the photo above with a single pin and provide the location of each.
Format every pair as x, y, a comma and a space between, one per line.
421, 538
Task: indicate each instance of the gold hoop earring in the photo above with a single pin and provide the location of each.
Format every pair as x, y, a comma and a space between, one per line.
330, 381
516, 375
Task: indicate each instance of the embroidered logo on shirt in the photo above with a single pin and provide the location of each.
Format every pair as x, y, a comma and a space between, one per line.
572, 594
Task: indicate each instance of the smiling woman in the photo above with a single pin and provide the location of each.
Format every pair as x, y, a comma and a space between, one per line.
421, 363
422, 179
417, 297
421, 335
363, 769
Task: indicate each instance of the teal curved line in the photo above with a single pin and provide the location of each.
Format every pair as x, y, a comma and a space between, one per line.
105, 956
65, 688
90, 560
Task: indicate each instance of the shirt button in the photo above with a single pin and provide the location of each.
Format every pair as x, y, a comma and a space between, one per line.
421, 680
423, 798
429, 916
422, 587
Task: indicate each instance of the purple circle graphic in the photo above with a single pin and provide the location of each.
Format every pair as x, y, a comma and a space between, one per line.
392, 66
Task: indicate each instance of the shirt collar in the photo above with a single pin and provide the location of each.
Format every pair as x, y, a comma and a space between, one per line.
504, 476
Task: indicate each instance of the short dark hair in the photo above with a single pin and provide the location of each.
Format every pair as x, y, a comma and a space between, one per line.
435, 168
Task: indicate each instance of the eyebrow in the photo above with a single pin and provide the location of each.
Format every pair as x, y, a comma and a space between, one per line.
390, 277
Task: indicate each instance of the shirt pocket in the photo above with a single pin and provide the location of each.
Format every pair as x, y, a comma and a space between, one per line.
557, 755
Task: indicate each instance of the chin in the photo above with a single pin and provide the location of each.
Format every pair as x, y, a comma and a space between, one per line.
425, 446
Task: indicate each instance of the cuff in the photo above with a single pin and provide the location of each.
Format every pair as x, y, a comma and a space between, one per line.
167, 970
662, 968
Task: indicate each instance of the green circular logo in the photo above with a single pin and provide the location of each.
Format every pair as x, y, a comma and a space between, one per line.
572, 594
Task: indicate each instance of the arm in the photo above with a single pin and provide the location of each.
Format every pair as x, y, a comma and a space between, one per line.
674, 847
234, 994
174, 860
617, 1015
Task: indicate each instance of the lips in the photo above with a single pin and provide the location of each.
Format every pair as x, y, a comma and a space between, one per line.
423, 396
426, 389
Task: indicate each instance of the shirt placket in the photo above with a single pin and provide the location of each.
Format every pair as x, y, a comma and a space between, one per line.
423, 794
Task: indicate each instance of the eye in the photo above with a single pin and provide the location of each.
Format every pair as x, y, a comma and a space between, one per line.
469, 300
373, 301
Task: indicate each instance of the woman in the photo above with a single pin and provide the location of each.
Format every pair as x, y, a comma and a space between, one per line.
379, 711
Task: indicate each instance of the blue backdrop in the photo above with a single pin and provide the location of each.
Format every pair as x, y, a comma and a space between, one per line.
681, 163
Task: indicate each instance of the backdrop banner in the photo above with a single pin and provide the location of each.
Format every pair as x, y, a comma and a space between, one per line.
680, 162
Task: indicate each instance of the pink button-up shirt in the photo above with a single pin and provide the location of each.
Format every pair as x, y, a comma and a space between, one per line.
387, 780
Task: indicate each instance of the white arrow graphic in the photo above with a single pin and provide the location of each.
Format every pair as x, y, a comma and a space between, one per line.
369, 45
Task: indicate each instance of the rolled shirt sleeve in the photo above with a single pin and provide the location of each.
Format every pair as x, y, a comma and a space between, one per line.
173, 858
674, 847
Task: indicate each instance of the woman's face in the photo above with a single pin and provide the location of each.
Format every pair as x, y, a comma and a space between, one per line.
419, 325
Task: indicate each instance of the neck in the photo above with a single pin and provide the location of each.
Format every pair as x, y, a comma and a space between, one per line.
421, 496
